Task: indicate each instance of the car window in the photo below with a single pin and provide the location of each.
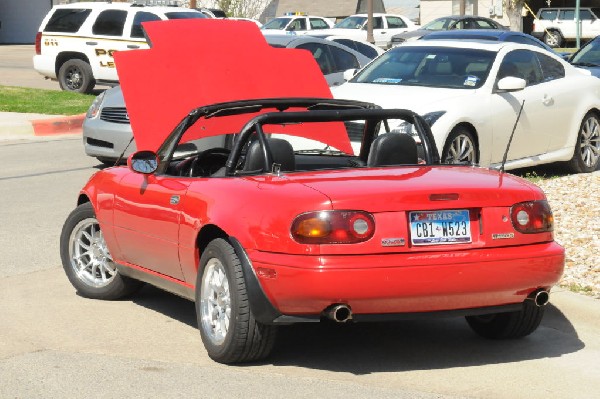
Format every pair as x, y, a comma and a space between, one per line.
589, 55
321, 54
482, 24
185, 15
377, 23
551, 69
110, 23
351, 23
277, 23
439, 24
548, 14
343, 60
585, 15
566, 15
67, 20
395, 22
430, 67
297, 24
360, 47
521, 64
318, 23
142, 16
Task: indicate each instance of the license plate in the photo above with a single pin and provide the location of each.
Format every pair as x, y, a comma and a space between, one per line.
440, 227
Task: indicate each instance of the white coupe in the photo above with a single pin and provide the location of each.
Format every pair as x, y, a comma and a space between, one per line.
471, 93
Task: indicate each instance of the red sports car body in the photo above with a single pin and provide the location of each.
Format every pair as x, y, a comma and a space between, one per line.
260, 230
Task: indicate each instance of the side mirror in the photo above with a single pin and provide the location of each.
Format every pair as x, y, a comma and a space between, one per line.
349, 74
511, 83
145, 162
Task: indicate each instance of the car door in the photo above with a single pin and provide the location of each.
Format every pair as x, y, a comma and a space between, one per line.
566, 23
537, 122
146, 221
108, 31
395, 25
590, 25
380, 32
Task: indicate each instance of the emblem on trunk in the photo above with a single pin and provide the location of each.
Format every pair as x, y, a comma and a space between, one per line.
392, 242
503, 236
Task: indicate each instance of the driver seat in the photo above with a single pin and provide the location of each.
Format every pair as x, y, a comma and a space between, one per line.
282, 153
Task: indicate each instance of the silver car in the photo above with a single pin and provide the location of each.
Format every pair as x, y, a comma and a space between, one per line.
107, 133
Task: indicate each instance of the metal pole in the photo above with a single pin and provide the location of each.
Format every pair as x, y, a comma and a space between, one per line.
578, 23
370, 37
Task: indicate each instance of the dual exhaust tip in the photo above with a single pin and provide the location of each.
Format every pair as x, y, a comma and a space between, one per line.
342, 313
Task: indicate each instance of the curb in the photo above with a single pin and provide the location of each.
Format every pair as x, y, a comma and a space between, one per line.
62, 125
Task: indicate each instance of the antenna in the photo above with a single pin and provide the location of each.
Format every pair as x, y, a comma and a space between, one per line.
511, 137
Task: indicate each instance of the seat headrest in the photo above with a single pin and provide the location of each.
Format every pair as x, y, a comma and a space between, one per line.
393, 149
282, 153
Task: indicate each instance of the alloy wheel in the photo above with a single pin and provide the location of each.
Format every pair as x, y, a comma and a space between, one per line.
590, 141
90, 258
461, 151
215, 301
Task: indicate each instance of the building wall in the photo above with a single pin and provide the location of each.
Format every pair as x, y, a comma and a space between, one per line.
20, 20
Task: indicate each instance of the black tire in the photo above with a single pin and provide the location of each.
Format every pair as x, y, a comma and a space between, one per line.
76, 76
508, 325
587, 146
452, 153
100, 280
553, 38
244, 338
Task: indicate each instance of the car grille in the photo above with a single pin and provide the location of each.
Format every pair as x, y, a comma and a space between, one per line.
114, 115
355, 130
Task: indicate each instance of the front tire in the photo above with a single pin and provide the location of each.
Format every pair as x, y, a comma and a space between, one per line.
587, 148
87, 261
460, 148
508, 325
76, 76
229, 331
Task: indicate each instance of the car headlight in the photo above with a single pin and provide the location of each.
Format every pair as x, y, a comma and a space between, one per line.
408, 128
93, 110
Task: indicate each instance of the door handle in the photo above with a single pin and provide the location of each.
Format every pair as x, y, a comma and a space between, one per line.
91, 43
547, 100
133, 46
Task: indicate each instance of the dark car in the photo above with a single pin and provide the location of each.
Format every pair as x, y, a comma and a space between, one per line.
488, 34
454, 22
588, 57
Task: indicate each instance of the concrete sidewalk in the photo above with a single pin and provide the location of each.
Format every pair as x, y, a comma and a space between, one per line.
14, 125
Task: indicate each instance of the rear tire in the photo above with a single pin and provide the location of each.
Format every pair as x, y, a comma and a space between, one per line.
508, 325
76, 76
553, 38
587, 148
229, 331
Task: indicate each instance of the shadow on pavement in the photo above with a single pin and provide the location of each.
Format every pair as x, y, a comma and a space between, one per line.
399, 346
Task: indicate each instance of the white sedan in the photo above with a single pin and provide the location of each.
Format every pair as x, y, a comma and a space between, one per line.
471, 93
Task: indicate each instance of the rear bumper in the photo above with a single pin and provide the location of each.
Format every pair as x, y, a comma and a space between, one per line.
304, 286
44, 65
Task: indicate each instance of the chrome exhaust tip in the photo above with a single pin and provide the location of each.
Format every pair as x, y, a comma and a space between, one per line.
340, 313
540, 298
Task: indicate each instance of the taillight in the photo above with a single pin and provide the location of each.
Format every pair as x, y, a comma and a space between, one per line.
333, 227
38, 43
532, 217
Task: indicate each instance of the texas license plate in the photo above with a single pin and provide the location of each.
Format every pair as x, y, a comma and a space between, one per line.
440, 227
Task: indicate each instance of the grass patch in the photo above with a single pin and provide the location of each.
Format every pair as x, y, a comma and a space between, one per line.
581, 289
51, 102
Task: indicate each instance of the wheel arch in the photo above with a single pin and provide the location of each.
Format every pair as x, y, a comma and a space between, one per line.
66, 56
206, 234
82, 199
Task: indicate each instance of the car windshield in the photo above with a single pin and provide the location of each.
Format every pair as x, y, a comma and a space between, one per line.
589, 55
439, 24
277, 23
184, 15
351, 23
457, 68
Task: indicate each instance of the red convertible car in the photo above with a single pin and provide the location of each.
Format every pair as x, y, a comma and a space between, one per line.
263, 213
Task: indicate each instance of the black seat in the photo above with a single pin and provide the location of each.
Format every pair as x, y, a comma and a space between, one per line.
393, 149
282, 153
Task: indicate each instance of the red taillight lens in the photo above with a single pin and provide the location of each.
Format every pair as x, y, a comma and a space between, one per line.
333, 227
38, 43
532, 217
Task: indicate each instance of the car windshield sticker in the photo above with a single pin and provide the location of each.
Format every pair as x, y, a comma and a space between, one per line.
471, 81
179, 73
387, 80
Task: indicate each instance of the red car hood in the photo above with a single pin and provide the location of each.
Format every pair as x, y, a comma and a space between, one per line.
197, 62
407, 188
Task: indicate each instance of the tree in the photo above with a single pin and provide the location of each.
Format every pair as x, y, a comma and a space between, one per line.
514, 9
242, 8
